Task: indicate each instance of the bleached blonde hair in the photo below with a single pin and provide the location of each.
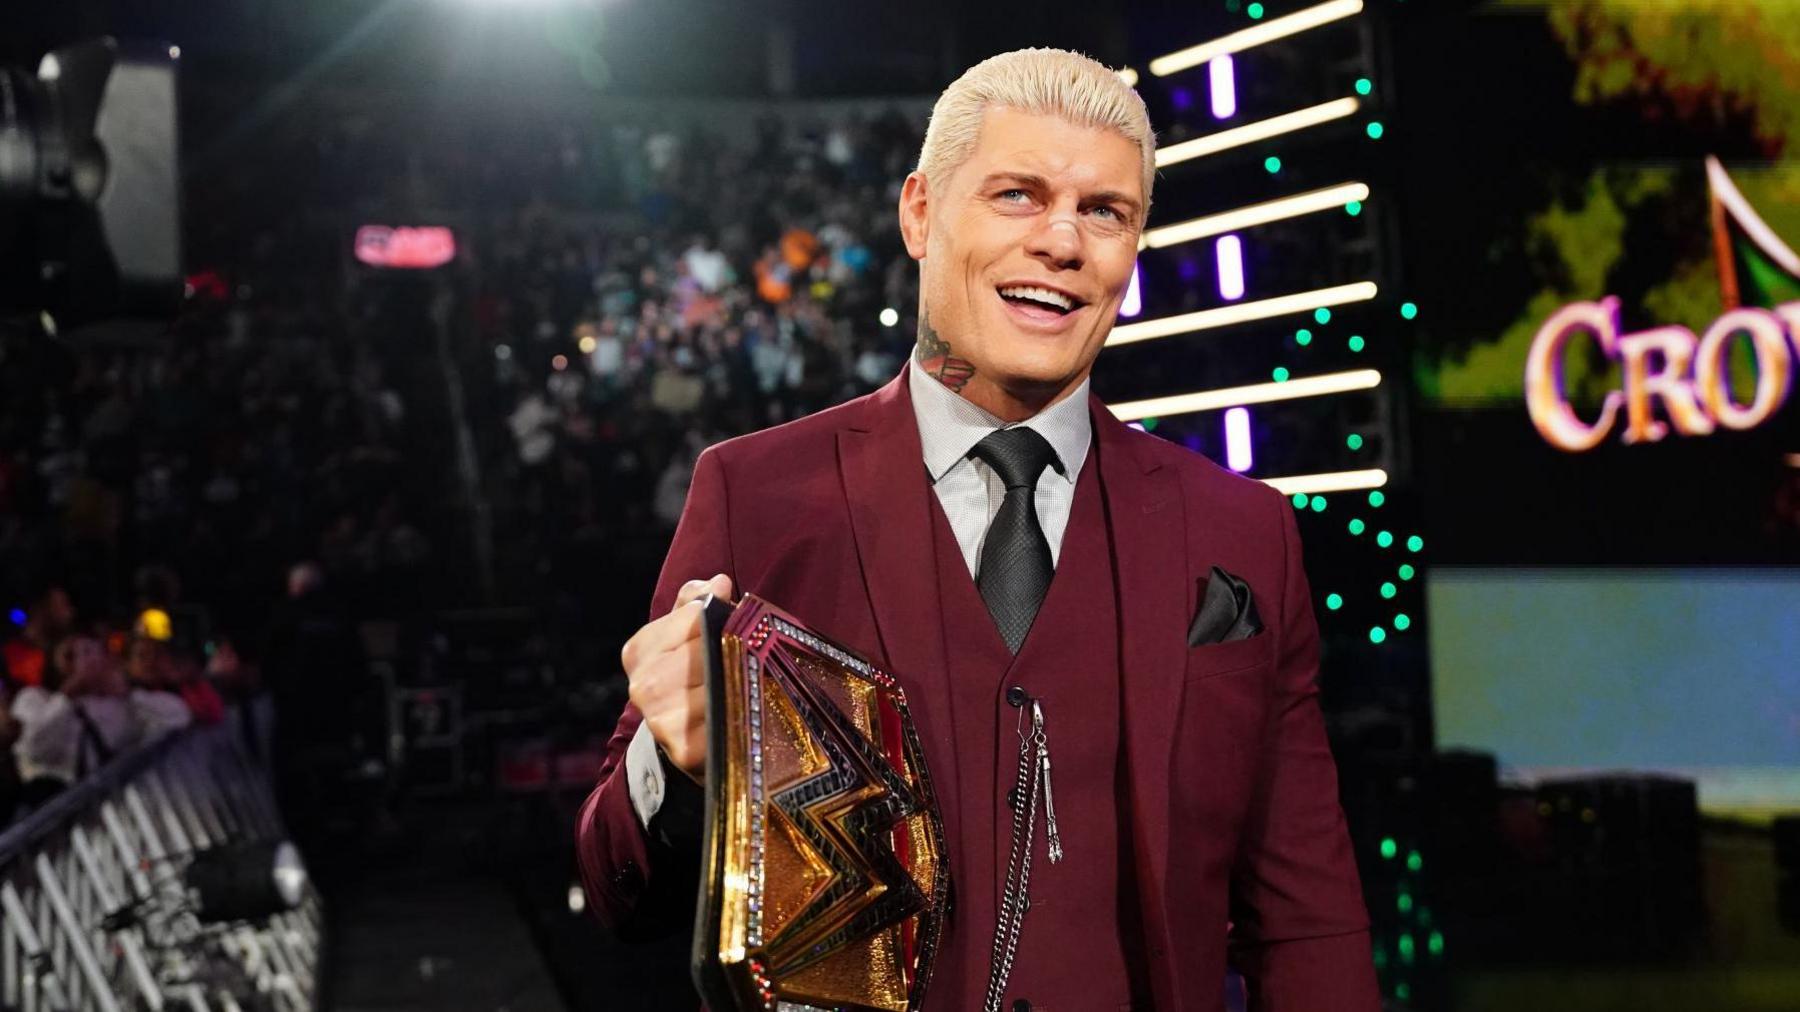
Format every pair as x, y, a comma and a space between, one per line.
1041, 82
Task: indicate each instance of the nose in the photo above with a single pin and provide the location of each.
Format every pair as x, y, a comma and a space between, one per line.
1057, 240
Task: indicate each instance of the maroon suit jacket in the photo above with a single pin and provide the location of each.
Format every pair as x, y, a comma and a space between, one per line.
1233, 791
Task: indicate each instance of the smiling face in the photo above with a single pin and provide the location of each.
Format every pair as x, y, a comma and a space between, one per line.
1025, 253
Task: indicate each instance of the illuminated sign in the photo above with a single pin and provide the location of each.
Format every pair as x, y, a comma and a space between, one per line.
407, 247
1687, 375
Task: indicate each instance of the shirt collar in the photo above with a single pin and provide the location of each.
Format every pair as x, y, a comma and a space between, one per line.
949, 426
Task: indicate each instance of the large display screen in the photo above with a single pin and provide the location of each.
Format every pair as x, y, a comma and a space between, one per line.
1694, 672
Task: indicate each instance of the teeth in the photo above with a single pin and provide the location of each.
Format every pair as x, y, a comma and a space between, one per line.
1039, 295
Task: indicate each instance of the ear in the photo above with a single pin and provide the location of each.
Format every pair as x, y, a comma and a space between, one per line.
915, 215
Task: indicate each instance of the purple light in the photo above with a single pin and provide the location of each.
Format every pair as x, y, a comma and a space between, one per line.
1182, 99
1237, 439
1224, 86
1136, 425
1134, 299
1230, 253
1188, 268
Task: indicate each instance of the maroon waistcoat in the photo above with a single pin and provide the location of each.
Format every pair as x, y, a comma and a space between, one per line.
1078, 947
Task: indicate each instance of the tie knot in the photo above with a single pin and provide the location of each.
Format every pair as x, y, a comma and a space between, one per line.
1017, 455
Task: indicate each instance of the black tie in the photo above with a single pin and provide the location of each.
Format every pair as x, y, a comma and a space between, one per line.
1015, 557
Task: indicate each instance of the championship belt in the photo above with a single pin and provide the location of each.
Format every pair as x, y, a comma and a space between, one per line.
824, 882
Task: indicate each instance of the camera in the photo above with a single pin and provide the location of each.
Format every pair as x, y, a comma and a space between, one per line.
90, 206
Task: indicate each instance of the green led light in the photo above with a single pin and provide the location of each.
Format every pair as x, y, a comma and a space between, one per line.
1376, 498
1381, 959
1353, 208
1407, 948
1389, 847
1375, 130
1406, 571
1272, 164
1322, 315
1403, 991
1402, 622
1435, 943
1318, 504
1334, 601
1408, 310
1388, 590
1384, 539
1356, 526
1414, 861
1280, 374
1302, 337
1364, 86
1404, 902
1377, 634
1425, 916
1299, 500
1415, 543
1354, 440
1255, 11
1356, 342
1149, 424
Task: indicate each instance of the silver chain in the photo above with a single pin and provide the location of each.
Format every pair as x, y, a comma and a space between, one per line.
1016, 896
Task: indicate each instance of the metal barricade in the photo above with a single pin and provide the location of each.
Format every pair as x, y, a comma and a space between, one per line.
95, 908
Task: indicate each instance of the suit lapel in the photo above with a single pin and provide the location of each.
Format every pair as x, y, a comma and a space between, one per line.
1147, 518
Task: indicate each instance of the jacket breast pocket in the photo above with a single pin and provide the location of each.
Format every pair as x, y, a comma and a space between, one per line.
1211, 659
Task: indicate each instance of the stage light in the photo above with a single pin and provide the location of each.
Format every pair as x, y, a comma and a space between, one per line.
1404, 902
1415, 543
1333, 602
1318, 504
1384, 538
559, 362
154, 623
502, 352
890, 317
18, 616
1222, 83
1414, 862
1280, 374
1302, 337
1321, 316
1255, 393
1376, 498
1335, 481
577, 899
1243, 312
1388, 590
1406, 938
1237, 439
1374, 130
1229, 251
1389, 847
1435, 943
1250, 133
1356, 342
1408, 310
1271, 165
1364, 86
1133, 303
1299, 500
1354, 440
1377, 635
1357, 526
247, 880
1353, 208
587, 344
1407, 571
1256, 214
1255, 11
1256, 35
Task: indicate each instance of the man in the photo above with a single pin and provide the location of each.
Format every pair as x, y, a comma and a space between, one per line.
1045, 560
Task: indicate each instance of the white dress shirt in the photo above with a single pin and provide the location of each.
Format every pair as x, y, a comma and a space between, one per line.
970, 493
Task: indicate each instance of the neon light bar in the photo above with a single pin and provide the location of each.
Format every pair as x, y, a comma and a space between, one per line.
1230, 253
1222, 84
1243, 312
1256, 214
1255, 35
1334, 481
1129, 76
1237, 439
1261, 130
1133, 303
1255, 393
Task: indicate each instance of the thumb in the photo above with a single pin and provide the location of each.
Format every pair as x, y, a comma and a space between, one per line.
720, 587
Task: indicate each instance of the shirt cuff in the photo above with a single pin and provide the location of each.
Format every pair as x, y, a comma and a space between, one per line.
644, 778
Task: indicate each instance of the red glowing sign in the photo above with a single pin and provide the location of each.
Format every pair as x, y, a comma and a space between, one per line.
409, 247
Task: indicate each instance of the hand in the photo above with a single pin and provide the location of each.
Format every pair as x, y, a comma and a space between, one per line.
666, 667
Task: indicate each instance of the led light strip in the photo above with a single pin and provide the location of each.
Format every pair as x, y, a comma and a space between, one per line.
1332, 481
1255, 35
1261, 130
1256, 214
1243, 312
1255, 393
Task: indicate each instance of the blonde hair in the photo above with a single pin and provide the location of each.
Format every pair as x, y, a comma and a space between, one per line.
1038, 81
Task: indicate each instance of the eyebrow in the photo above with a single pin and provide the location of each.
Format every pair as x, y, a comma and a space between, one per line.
1030, 179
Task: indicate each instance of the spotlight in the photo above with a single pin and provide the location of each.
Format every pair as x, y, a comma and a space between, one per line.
890, 317
247, 881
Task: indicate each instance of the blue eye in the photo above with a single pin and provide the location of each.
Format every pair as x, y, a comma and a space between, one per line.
1007, 194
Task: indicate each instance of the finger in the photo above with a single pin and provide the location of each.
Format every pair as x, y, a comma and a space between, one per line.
693, 590
660, 636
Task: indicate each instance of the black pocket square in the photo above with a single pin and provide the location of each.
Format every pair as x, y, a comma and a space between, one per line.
1227, 611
